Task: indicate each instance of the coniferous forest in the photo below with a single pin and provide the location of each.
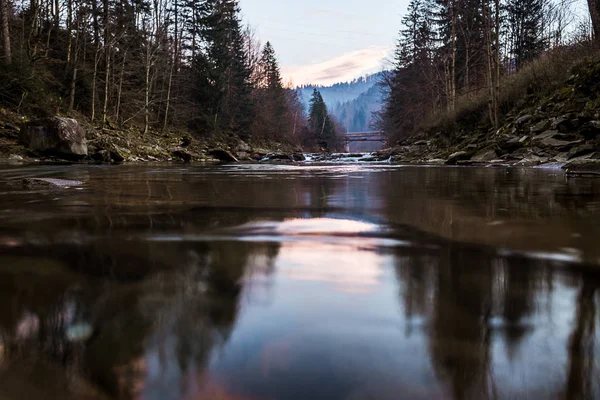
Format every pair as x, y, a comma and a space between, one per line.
156, 65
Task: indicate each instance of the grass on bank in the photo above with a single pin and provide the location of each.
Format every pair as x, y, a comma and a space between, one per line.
546, 76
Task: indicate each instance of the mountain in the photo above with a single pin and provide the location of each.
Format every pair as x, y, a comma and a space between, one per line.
352, 103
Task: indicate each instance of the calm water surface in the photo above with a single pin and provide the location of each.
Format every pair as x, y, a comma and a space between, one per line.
299, 282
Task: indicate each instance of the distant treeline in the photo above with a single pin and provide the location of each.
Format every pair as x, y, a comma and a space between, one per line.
148, 64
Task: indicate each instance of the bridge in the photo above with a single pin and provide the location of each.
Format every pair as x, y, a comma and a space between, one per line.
378, 137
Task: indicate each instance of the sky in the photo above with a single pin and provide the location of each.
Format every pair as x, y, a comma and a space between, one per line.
326, 41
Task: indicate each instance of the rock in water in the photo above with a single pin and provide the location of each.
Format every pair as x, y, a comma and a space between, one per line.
223, 155
62, 136
583, 167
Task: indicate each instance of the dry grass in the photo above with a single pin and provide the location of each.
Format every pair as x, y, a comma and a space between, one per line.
544, 75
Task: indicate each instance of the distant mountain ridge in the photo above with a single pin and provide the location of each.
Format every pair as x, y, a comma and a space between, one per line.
352, 103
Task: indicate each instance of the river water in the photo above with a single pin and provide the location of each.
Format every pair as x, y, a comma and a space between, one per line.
299, 282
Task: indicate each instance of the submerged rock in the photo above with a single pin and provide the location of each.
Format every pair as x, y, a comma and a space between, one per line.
62, 136
46, 182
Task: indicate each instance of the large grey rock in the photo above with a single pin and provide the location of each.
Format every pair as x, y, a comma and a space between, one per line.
581, 151
62, 136
458, 156
519, 122
487, 154
541, 126
559, 144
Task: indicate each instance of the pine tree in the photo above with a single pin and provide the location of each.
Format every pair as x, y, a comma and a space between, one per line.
272, 112
321, 129
223, 77
524, 20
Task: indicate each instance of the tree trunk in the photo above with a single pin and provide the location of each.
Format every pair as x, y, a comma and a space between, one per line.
5, 32
106, 61
95, 80
120, 90
453, 61
490, 63
594, 7
169, 94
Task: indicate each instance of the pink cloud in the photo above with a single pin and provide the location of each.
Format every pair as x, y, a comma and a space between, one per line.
339, 69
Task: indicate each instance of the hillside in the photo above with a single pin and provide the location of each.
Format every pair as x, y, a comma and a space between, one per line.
550, 114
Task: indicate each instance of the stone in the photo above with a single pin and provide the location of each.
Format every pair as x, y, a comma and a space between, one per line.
560, 144
46, 182
581, 151
108, 156
421, 143
544, 135
298, 157
583, 167
563, 125
223, 155
15, 157
243, 147
541, 127
276, 157
186, 141
487, 154
458, 156
590, 130
61, 136
182, 155
519, 122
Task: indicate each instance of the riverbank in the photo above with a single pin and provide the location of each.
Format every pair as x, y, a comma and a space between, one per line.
112, 145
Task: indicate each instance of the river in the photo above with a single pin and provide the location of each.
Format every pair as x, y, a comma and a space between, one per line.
298, 282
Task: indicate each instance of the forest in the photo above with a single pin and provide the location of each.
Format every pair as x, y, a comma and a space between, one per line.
474, 61
159, 65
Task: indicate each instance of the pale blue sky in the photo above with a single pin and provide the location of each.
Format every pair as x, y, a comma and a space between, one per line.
326, 41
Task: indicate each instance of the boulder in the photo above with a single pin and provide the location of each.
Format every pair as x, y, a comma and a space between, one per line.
541, 126
583, 167
61, 136
458, 156
182, 155
223, 155
581, 151
563, 125
277, 157
298, 157
590, 130
559, 144
487, 154
519, 122
243, 147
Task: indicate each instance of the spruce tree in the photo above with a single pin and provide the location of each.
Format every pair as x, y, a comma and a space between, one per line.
320, 127
223, 77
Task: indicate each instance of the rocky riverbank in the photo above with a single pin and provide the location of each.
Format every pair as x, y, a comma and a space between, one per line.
57, 139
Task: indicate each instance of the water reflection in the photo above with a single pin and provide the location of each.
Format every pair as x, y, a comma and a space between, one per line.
296, 283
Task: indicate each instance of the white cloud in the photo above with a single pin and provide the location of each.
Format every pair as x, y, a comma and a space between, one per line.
339, 69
